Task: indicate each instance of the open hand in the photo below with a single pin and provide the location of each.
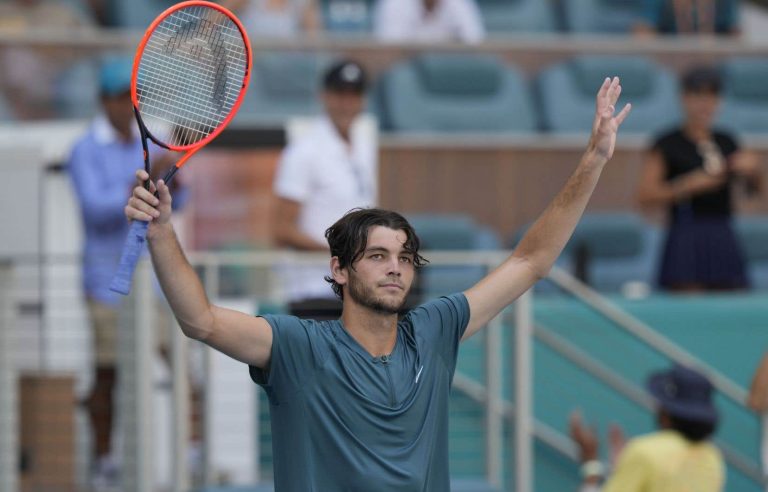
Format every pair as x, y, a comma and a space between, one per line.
584, 437
606, 124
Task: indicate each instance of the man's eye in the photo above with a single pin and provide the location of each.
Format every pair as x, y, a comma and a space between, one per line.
377, 256
406, 259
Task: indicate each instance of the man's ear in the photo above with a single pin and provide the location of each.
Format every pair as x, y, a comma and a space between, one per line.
338, 273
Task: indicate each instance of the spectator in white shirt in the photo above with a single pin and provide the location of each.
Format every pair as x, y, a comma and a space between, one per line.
322, 174
428, 21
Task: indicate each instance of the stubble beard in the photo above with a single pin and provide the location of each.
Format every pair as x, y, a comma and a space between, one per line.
365, 296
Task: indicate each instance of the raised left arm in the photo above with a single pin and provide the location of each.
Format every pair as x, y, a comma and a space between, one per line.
544, 241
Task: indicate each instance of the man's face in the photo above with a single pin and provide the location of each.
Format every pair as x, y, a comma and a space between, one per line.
343, 107
119, 111
701, 107
381, 279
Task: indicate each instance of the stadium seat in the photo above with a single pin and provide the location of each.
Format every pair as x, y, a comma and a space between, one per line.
283, 84
508, 16
745, 95
613, 249
136, 13
347, 16
455, 93
753, 233
449, 232
609, 249
567, 93
601, 16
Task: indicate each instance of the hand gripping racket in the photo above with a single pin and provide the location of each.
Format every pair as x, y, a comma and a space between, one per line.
190, 74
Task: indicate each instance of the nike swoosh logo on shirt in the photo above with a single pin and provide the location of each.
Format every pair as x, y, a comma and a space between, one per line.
417, 375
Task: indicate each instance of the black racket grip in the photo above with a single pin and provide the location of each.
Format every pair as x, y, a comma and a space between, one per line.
132, 250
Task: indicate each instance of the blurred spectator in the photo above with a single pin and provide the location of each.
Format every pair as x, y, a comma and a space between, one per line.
28, 76
324, 173
758, 401
277, 18
678, 456
102, 166
689, 17
693, 171
428, 21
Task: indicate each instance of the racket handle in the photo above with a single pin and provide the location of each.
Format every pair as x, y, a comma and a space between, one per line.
132, 249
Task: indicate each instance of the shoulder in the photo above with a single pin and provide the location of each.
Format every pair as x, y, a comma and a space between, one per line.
445, 304
668, 138
308, 141
441, 312
83, 146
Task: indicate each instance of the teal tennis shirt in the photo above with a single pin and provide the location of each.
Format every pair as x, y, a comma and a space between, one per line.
345, 421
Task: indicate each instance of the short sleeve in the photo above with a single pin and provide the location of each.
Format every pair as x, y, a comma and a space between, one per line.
293, 178
441, 323
631, 472
727, 142
470, 21
294, 356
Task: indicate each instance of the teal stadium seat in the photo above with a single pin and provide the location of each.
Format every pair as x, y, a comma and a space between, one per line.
607, 250
567, 92
509, 16
283, 85
753, 233
601, 16
745, 95
136, 13
455, 93
347, 16
617, 247
449, 232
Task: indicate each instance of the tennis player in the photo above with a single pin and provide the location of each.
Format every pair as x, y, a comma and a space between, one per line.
361, 403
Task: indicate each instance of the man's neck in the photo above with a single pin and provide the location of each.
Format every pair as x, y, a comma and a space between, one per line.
375, 332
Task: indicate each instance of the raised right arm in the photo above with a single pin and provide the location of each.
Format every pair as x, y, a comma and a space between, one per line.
241, 336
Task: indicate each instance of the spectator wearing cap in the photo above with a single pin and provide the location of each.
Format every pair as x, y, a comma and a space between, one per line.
677, 457
326, 171
102, 166
430, 21
694, 172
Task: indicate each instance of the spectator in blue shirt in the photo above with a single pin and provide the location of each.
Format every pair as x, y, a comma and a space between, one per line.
101, 166
719, 17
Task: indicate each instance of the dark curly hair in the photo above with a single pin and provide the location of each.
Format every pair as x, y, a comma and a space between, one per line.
348, 237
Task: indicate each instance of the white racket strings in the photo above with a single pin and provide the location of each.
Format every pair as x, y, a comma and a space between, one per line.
190, 75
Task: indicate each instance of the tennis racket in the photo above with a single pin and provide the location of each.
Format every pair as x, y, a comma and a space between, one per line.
190, 74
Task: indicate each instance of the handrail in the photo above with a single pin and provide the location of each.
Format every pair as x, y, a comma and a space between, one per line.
646, 334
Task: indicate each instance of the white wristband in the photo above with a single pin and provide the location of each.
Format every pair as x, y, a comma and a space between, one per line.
592, 468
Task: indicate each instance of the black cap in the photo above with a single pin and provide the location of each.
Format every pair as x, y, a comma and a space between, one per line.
345, 75
702, 79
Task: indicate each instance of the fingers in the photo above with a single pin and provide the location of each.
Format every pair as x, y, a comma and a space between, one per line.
623, 114
604, 88
163, 192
